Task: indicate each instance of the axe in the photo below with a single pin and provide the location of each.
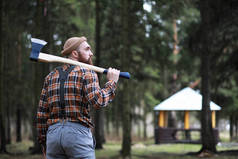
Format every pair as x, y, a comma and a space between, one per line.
36, 55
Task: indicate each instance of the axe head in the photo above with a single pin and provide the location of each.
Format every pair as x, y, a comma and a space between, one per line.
37, 45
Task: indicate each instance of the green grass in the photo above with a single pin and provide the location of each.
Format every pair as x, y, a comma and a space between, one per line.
151, 151
140, 150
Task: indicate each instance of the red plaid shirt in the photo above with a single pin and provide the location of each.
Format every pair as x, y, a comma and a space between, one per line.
82, 90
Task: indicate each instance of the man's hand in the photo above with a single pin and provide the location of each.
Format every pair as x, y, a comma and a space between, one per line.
113, 74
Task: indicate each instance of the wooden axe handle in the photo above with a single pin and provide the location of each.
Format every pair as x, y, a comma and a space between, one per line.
43, 57
51, 58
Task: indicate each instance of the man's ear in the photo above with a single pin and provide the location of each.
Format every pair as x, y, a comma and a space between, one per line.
74, 53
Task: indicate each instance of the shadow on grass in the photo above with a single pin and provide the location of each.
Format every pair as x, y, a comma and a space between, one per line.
229, 153
20, 156
154, 155
190, 155
222, 153
160, 155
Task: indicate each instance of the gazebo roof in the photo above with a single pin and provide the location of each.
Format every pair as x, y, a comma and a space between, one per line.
186, 99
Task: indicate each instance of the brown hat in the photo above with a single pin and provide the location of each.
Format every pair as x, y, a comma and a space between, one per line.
72, 44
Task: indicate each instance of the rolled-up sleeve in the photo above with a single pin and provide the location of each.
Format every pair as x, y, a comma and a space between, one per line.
96, 96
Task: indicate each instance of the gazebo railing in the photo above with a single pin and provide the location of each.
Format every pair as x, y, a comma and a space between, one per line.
171, 135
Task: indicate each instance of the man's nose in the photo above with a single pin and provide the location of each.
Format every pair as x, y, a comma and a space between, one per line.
91, 53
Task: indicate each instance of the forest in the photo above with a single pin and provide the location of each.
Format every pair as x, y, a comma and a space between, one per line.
165, 45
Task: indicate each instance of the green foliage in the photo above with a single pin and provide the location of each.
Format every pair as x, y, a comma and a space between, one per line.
151, 101
229, 93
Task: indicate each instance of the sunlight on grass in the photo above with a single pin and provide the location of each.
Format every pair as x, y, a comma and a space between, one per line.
109, 150
141, 150
168, 148
21, 147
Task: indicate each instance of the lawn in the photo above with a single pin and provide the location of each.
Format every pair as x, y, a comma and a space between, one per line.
140, 150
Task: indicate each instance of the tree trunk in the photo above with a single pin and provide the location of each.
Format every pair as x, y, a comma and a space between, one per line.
116, 115
2, 133
43, 29
138, 121
231, 128
18, 124
36, 149
99, 114
107, 123
236, 128
125, 57
126, 123
208, 138
139, 129
19, 91
2, 126
98, 129
174, 86
38, 74
8, 137
144, 119
144, 126
117, 126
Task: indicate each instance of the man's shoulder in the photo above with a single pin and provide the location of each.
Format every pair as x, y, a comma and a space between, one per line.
84, 70
52, 73
77, 69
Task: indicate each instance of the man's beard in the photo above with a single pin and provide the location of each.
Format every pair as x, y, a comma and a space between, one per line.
89, 61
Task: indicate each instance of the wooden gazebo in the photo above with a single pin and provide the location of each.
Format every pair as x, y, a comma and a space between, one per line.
186, 100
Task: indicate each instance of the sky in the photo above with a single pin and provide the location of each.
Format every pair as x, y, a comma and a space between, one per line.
147, 7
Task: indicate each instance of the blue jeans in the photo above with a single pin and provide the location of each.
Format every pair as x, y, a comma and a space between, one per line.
68, 140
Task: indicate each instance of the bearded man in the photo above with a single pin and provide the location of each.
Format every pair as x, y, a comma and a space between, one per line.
68, 94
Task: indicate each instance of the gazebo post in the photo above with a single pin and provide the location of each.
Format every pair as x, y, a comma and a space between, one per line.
161, 118
186, 120
213, 119
186, 124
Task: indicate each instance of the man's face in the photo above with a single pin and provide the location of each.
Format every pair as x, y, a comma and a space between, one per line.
85, 53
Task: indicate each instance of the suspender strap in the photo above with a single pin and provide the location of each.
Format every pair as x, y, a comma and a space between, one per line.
63, 77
